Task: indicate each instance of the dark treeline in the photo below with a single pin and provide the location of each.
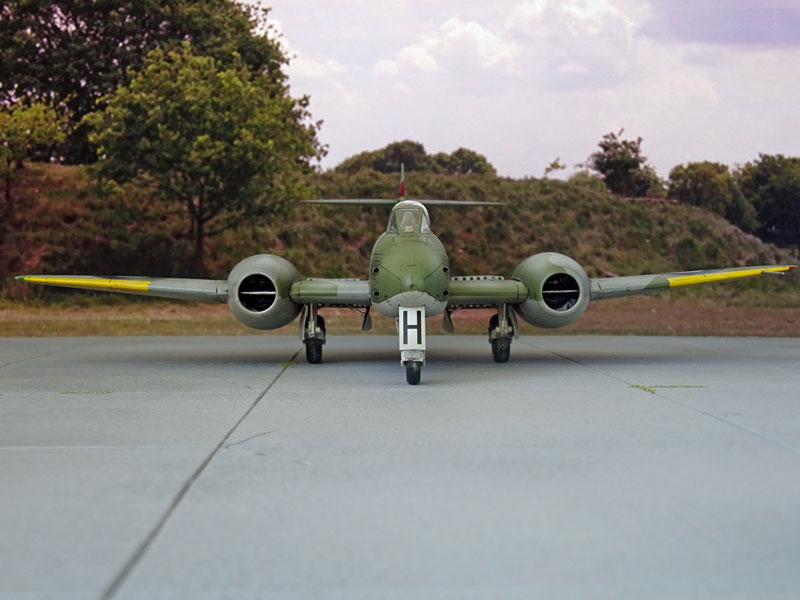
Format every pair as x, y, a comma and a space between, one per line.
762, 196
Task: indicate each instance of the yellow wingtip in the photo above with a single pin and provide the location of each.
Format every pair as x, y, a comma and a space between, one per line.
92, 283
683, 280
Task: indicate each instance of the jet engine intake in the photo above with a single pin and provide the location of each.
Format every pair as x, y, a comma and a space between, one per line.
258, 291
558, 290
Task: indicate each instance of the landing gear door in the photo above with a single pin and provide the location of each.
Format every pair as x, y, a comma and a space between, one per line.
411, 328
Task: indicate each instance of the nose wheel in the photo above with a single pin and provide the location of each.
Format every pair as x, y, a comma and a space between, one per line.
413, 372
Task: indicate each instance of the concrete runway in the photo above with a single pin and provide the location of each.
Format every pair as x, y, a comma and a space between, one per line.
216, 468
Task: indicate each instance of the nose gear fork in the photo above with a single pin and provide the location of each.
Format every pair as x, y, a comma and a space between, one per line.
411, 337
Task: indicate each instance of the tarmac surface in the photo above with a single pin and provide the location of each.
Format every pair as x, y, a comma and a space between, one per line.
592, 467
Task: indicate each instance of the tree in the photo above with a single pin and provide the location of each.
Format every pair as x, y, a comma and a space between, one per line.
73, 53
624, 169
217, 143
21, 130
772, 184
388, 159
463, 162
413, 155
711, 186
554, 166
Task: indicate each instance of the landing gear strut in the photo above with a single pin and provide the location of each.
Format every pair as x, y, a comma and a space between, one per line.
502, 331
411, 333
312, 328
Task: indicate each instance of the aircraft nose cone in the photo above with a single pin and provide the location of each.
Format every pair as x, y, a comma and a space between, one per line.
413, 282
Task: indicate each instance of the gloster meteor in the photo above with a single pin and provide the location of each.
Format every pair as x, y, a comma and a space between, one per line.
409, 279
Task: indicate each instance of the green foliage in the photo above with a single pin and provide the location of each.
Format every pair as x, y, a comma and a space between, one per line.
586, 179
772, 184
75, 53
623, 168
223, 146
21, 130
556, 165
413, 155
462, 162
711, 186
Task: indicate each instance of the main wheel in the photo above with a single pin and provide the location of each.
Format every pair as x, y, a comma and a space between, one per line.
501, 349
314, 351
413, 371
493, 323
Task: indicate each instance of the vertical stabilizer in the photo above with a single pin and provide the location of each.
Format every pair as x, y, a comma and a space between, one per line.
402, 181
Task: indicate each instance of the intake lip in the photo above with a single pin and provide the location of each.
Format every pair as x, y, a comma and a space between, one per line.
413, 282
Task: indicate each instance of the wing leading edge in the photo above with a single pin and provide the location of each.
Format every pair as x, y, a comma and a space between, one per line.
324, 292
618, 287
486, 290
204, 290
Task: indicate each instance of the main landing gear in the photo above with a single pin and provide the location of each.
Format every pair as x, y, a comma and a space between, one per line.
312, 332
502, 330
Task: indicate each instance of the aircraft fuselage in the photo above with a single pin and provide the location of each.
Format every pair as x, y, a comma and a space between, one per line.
409, 269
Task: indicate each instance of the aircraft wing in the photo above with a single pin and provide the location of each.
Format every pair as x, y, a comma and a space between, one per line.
205, 290
477, 291
617, 287
331, 292
324, 292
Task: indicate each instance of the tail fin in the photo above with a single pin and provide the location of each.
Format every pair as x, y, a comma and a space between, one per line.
402, 181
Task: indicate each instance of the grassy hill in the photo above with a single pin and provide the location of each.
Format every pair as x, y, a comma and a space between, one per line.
63, 226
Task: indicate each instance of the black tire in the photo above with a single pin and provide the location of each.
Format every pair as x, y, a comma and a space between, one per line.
494, 323
501, 349
413, 372
314, 351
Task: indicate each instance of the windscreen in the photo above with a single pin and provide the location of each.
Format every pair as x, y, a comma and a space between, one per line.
409, 217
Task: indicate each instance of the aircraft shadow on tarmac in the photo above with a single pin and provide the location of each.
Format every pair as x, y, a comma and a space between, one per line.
209, 357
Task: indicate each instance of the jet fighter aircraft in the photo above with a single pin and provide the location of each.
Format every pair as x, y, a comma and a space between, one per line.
409, 280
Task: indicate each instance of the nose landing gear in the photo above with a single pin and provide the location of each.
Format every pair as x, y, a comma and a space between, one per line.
411, 334
413, 371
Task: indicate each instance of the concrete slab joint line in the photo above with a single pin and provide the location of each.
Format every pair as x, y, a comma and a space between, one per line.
57, 350
140, 551
652, 390
252, 437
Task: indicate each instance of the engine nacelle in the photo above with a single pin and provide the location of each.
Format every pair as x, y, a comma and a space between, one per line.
258, 291
558, 290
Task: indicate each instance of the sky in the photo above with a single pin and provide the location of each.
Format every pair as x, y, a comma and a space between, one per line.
524, 82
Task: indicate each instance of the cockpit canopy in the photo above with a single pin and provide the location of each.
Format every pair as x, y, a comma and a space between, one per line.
409, 216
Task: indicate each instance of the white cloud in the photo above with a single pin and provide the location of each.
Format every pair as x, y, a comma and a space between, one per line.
309, 66
385, 66
592, 11
401, 89
418, 57
527, 10
490, 48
